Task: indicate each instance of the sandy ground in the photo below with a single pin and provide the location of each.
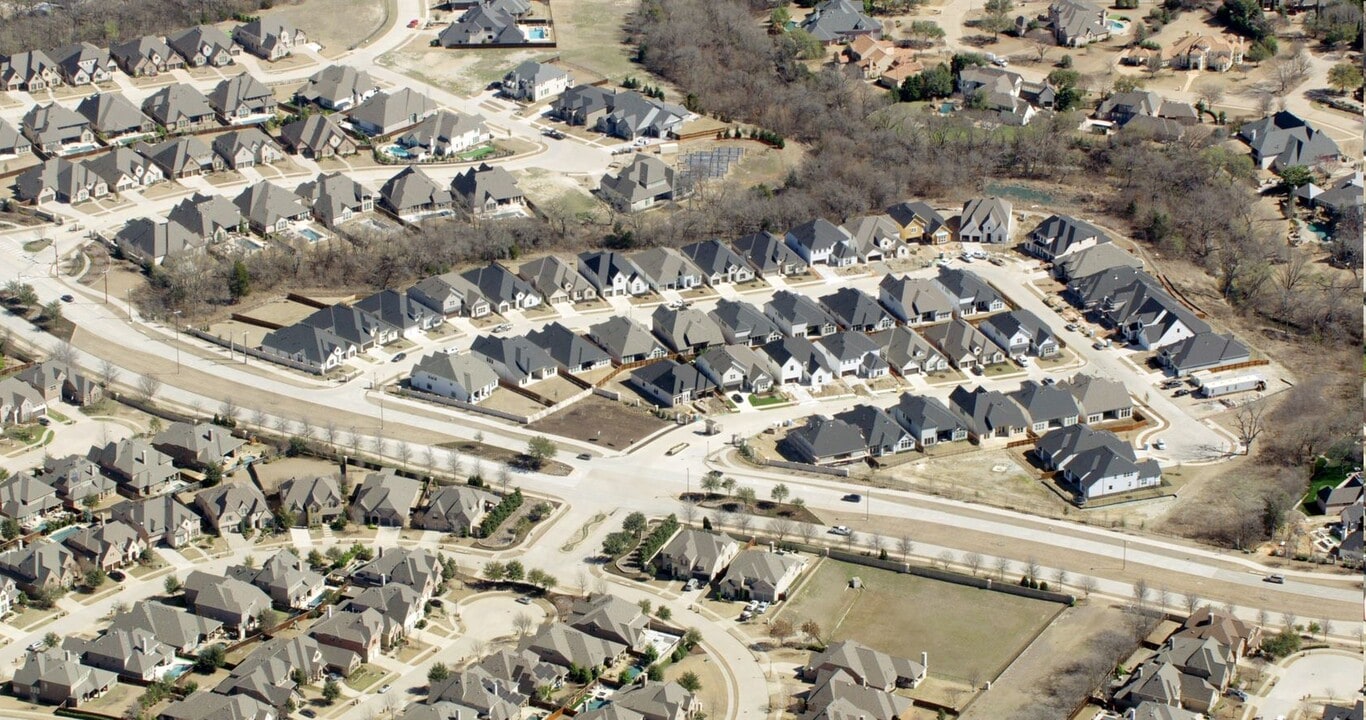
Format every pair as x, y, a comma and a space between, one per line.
337, 25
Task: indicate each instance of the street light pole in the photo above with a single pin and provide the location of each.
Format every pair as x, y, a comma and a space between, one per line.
176, 315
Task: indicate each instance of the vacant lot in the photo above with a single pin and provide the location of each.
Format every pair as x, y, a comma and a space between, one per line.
273, 473
968, 632
599, 420
337, 25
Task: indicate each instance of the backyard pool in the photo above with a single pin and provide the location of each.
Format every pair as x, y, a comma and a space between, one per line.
178, 668
536, 33
1117, 26
595, 703
396, 151
64, 533
78, 148
1320, 230
310, 235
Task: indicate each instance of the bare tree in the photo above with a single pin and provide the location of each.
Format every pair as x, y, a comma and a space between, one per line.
353, 440
1002, 565
780, 527
455, 465
64, 353
1041, 49
1141, 593
743, 522
906, 546
722, 518
689, 512
1164, 597
429, 460
806, 531
1248, 421
851, 540
228, 410
148, 385
1192, 602
946, 559
282, 424
330, 433
1263, 619
1290, 620
1210, 92
404, 452
1032, 570
973, 561
1290, 72
877, 544
523, 623
1088, 585
307, 429
109, 373
1060, 577
259, 418
1326, 627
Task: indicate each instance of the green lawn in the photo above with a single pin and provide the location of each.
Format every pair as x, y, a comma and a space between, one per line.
968, 632
478, 153
1325, 475
764, 400
364, 677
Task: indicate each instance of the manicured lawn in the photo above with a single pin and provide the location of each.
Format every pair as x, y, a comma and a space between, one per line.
364, 677
968, 632
478, 153
764, 400
1325, 475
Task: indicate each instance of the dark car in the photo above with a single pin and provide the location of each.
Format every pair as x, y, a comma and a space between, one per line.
1182, 392
308, 713
400, 357
68, 298
117, 576
852, 497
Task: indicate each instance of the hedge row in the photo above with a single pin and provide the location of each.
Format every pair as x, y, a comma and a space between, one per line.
500, 512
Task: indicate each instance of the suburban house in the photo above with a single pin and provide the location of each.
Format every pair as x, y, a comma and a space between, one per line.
989, 415
185, 157
821, 241
335, 199
57, 677
463, 377
385, 498
388, 112
658, 701
317, 136
609, 617
573, 352
273, 672
626, 340
1163, 683
1095, 463
270, 208
55, 380
866, 666
743, 324
769, 255
444, 134
838, 695
522, 670
1240, 637
20, 403
107, 546
1077, 23
856, 310
1148, 316
633, 115
487, 23
355, 327
477, 689
560, 644
234, 507
645, 182
160, 520
122, 170
881, 60
446, 294
24, 498
826, 441
179, 108
84, 64
612, 273
269, 37
242, 98
876, 237
907, 352
362, 632
760, 575
799, 360
1099, 289
182, 630
456, 509
41, 566
686, 331
986, 220
798, 315
236, 604
881, 433
583, 104
417, 568
1204, 351
487, 191
667, 269
835, 22
516, 360
964, 345
971, 294
1206, 53
920, 223
1095, 259
114, 116
12, 142
670, 383
717, 262
61, 180
399, 604
1100, 399
928, 420
52, 128
1283, 140
29, 72
338, 88
696, 554
286, 578
312, 499
736, 367
501, 288
412, 194
204, 45
147, 56
533, 82
76, 478
850, 352
1060, 235
140, 469
198, 445
1047, 406
1123, 108
557, 280
1021, 332
915, 301
315, 348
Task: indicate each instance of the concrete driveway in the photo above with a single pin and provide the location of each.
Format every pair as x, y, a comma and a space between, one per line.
1322, 674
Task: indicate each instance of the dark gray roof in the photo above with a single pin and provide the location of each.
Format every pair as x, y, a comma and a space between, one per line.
875, 425
766, 252
568, 349
818, 235
904, 213
388, 109
986, 411
743, 320
835, 19
849, 345
266, 203
1289, 139
645, 177
314, 132
174, 103
798, 309
518, 354
829, 437
412, 188
335, 83
712, 256
552, 274
624, 337
231, 94
1020, 320
673, 378
112, 114
484, 183
1061, 232
330, 196
178, 155
498, 284
966, 286
1046, 403
800, 349
927, 413
1205, 350
686, 328
854, 308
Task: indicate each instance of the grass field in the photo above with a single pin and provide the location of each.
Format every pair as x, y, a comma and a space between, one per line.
967, 632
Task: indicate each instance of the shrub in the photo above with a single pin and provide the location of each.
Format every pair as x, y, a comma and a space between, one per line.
500, 512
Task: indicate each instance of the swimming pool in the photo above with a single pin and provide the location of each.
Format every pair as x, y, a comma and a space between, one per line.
397, 151
64, 533
176, 669
1117, 26
1321, 231
536, 33
310, 235
78, 148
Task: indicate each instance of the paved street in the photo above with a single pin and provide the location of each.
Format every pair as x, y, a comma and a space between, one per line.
1323, 675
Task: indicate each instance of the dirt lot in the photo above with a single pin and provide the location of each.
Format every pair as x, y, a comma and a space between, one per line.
599, 420
277, 471
554, 389
968, 632
278, 313
465, 72
995, 477
337, 25
713, 692
508, 401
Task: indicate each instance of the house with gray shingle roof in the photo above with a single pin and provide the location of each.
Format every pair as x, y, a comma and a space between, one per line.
971, 294
234, 603
364, 632
182, 630
275, 669
269, 37
1148, 710
122, 169
181, 157
399, 310
385, 498
417, 568
57, 677
58, 381
234, 507
29, 71
357, 327
866, 666
1021, 332
522, 670
658, 701
733, 367
313, 500
317, 136
179, 108
487, 191
1095, 463
881, 433
920, 223
761, 575
667, 269
464, 377
204, 45
140, 469
444, 134
686, 330
43, 565
1284, 139
717, 262
270, 208
287, 579
928, 420
915, 301
821, 241
13, 142
483, 24
517, 360
84, 64
1163, 683
113, 544
59, 180
633, 115
532, 81
19, 402
560, 644
797, 315
988, 414
450, 294
1203, 351
573, 352
840, 21
1097, 258
583, 104
986, 220
146, 56
1047, 406
76, 478
826, 441
1061, 235
242, 98
696, 554
964, 345
850, 352
837, 696
134, 654
338, 87
399, 604
52, 127
24, 498
1150, 317
316, 348
642, 184
454, 509
799, 360
670, 383
611, 618
557, 280
1097, 288
1100, 399
744, 324
769, 254
909, 353
114, 117
1077, 23
626, 340
856, 310
876, 237
160, 519
412, 193
198, 445
388, 112
612, 273
336, 199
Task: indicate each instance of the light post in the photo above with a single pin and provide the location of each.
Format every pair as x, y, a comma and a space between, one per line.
106, 286
244, 347
176, 315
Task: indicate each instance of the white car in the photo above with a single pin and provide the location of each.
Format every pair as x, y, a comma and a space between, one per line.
840, 530
1022, 360
1160, 444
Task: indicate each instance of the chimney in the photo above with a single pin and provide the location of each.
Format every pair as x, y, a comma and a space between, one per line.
925, 661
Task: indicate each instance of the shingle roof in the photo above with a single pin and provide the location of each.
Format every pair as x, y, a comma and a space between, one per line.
567, 348
335, 83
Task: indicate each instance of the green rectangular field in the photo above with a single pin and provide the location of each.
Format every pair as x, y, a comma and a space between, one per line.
968, 632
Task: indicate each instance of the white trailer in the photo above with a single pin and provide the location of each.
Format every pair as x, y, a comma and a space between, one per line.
1211, 387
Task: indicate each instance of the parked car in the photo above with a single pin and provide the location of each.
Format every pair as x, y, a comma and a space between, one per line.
1236, 693
1160, 444
584, 456
1275, 579
691, 585
400, 357
504, 327
1022, 360
384, 689
977, 370
413, 23
841, 530
745, 615
1097, 345
524, 600
1182, 392
996, 260
763, 608
117, 575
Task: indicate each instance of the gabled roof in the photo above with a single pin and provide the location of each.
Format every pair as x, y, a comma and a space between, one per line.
1061, 232
136, 49
903, 346
266, 203
609, 617
535, 73
457, 505
172, 625
155, 516
551, 274
470, 27
518, 354
1021, 321
966, 286
498, 284
867, 665
330, 196
179, 155
985, 211
205, 442
251, 139
686, 327
987, 411
904, 213
239, 498
174, 103
467, 370
697, 547
656, 700
243, 89
767, 252
315, 132
335, 83
134, 652
315, 344
386, 109
39, 563
624, 337
927, 413
1095, 259
413, 188
567, 347
664, 266
485, 183
1045, 403
187, 42
204, 705
819, 235
112, 113
875, 425
824, 437
761, 566
62, 670
800, 349
387, 493
673, 378
742, 318
557, 642
1096, 394
118, 163
798, 309
298, 494
1205, 350
441, 128
849, 345
712, 256
1289, 139
645, 177
919, 296
837, 697
225, 594
834, 19
53, 122
853, 307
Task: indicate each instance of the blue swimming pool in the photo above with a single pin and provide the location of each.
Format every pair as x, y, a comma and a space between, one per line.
536, 33
310, 235
1320, 230
397, 151
64, 533
596, 703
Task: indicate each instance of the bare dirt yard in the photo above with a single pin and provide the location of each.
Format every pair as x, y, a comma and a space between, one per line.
338, 25
273, 473
969, 633
599, 420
